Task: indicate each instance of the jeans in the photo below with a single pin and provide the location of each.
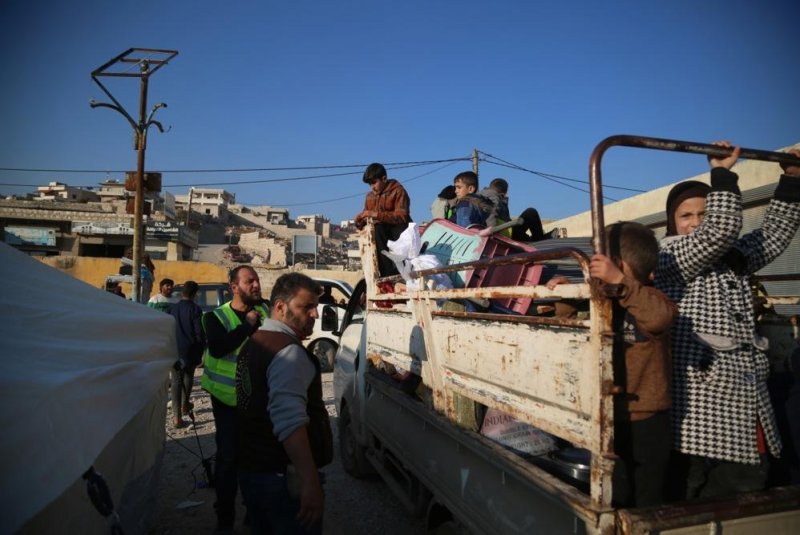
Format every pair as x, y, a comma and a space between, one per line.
532, 224
272, 509
644, 449
713, 477
182, 382
225, 467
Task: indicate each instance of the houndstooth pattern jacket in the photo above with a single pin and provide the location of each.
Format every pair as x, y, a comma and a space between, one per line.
719, 362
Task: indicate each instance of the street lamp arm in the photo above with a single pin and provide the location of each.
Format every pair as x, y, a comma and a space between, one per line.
94, 104
154, 122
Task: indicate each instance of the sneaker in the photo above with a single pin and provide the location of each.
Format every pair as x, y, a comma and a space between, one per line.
179, 423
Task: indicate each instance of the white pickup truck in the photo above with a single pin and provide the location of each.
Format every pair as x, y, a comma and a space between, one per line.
411, 378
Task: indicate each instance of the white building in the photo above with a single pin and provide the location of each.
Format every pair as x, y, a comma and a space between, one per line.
208, 201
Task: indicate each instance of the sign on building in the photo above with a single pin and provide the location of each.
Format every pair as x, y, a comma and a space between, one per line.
162, 230
99, 227
45, 236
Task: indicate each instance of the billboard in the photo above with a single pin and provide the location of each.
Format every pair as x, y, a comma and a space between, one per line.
98, 227
18, 235
304, 244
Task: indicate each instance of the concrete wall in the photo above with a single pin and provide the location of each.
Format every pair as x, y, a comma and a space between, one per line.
268, 249
94, 271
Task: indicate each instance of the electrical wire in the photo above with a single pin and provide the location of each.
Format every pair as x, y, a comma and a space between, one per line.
236, 170
537, 173
362, 194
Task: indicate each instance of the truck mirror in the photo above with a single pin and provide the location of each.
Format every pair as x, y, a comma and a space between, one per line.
330, 318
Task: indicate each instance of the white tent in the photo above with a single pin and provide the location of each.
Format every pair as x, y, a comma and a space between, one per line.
83, 384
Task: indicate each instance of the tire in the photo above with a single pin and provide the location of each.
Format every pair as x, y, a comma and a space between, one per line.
353, 454
325, 350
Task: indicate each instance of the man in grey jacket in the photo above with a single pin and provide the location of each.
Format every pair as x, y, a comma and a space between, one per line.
282, 448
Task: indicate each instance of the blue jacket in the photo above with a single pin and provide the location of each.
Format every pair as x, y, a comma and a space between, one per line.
471, 210
188, 332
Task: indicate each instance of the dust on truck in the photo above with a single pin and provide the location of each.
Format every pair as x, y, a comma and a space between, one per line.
553, 373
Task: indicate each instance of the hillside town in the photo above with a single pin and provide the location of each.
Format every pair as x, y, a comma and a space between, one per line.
59, 219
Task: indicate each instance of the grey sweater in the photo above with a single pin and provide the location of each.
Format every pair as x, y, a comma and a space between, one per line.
289, 376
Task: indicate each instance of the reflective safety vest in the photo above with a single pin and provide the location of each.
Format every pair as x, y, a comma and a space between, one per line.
219, 373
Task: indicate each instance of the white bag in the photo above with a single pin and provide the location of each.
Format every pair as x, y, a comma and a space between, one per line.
405, 253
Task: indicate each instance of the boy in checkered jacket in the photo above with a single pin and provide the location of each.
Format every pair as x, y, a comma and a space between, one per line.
641, 320
722, 418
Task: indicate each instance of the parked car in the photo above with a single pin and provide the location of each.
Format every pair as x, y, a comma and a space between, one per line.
322, 343
210, 295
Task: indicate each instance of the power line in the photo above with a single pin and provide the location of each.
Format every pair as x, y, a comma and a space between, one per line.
362, 194
552, 176
546, 177
233, 170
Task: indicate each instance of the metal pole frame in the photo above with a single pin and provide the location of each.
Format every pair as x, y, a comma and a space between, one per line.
144, 58
595, 180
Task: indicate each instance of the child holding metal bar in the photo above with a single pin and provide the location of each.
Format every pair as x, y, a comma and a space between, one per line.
723, 421
642, 367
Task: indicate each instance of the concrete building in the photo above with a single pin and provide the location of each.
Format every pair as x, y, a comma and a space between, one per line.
208, 201
58, 226
317, 222
58, 191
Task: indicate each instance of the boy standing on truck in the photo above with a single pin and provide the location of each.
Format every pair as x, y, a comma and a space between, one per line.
642, 364
388, 204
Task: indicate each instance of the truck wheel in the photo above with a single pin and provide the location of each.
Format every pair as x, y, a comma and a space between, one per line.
353, 454
325, 351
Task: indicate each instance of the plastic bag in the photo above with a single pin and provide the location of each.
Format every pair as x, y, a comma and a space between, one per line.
405, 253
518, 436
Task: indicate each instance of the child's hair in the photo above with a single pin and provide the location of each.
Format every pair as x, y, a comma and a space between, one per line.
374, 171
636, 245
448, 193
499, 185
679, 193
468, 178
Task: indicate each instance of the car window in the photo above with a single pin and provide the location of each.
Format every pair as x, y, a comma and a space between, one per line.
355, 307
340, 292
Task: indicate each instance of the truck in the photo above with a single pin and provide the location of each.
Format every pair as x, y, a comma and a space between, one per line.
414, 378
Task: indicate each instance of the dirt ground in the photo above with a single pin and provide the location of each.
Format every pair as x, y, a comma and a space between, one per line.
185, 503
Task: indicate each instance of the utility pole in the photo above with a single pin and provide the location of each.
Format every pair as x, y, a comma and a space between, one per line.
475, 161
189, 209
145, 58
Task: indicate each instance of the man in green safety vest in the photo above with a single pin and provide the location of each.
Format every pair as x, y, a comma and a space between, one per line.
227, 328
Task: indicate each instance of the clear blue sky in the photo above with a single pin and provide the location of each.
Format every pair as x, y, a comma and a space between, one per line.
262, 84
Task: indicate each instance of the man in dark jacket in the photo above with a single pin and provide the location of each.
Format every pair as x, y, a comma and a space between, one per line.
191, 344
284, 431
388, 205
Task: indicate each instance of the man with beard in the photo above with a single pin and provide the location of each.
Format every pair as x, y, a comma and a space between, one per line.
284, 431
227, 328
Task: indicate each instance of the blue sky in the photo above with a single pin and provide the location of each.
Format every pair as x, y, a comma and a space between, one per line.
264, 84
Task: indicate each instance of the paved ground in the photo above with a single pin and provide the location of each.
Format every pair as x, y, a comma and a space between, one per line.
352, 507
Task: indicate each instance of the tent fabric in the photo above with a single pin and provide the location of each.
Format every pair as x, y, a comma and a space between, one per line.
79, 363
